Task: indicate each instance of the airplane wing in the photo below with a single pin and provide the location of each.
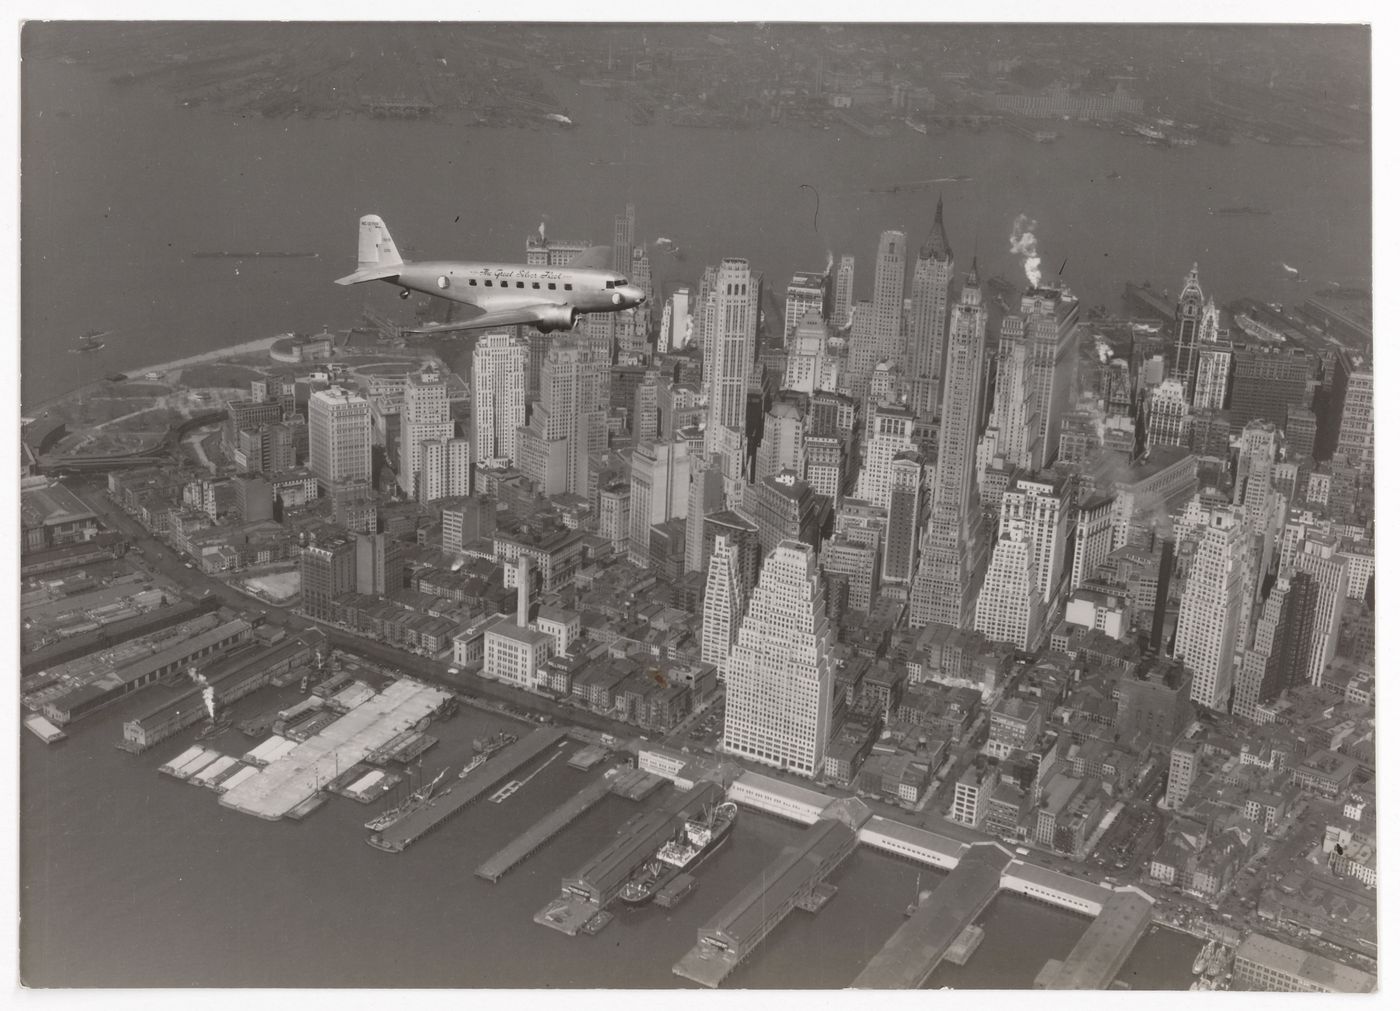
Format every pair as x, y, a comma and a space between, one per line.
593, 258
528, 315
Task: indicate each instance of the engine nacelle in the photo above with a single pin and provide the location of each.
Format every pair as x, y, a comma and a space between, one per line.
558, 317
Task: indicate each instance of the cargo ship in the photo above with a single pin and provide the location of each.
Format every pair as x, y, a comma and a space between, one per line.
415, 800
697, 839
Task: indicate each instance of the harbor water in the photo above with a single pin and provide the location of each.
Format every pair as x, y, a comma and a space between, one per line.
133, 879
121, 186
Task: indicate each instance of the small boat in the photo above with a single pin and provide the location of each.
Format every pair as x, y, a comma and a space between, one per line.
415, 800
477, 762
696, 840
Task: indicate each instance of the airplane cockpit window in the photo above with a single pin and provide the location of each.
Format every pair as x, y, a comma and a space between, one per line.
621, 282
607, 284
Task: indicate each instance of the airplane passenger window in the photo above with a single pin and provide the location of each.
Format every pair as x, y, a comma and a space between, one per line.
488, 284
535, 285
520, 284
552, 286
568, 287
472, 282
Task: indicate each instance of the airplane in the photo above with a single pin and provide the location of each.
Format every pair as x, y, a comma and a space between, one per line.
502, 294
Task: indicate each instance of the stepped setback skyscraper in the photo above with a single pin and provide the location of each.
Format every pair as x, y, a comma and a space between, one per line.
778, 687
928, 316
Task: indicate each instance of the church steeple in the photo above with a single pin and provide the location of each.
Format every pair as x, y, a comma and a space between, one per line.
936, 245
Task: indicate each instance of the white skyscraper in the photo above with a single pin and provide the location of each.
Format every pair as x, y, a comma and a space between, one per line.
779, 683
889, 431
723, 609
1216, 590
498, 402
1167, 414
425, 417
1023, 578
339, 435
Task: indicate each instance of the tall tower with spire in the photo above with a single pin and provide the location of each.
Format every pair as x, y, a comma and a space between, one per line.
954, 550
928, 316
1190, 306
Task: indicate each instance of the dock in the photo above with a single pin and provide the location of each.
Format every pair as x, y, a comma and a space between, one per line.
522, 846
589, 889
587, 757
1094, 962
914, 950
635, 784
464, 792
288, 781
737, 929
43, 729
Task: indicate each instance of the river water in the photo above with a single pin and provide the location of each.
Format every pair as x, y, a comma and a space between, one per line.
120, 186
132, 879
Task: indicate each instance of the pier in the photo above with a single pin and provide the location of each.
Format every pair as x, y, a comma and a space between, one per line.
464, 792
522, 846
1143, 296
589, 890
789, 881
1096, 959
914, 951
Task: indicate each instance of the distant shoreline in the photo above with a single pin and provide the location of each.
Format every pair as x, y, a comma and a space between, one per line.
137, 373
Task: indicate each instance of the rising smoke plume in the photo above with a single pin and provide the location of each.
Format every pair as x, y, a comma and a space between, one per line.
1023, 244
208, 692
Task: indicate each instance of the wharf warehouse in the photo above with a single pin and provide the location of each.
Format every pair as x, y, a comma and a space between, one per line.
600, 880
144, 671
233, 676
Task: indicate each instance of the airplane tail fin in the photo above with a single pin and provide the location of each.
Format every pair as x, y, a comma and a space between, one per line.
379, 257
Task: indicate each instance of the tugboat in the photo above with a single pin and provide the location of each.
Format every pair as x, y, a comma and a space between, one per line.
490, 745
697, 839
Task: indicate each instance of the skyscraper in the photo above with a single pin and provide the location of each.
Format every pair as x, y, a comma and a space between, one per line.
1321, 559
902, 523
1093, 537
1211, 604
723, 609
877, 326
1279, 656
1023, 577
498, 402
338, 424
928, 316
1356, 438
805, 293
845, 291
569, 422
945, 588
1189, 309
734, 329
889, 432
1051, 316
778, 687
426, 416
1167, 415
660, 492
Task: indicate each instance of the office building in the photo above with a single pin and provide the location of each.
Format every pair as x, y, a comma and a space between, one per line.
845, 292
953, 552
1217, 593
1181, 772
905, 510
338, 428
889, 432
1093, 537
660, 491
723, 608
1279, 657
327, 571
778, 692
786, 508
1268, 379
1167, 415
426, 417
806, 293
1190, 305
733, 332
928, 316
498, 396
1356, 437
1324, 561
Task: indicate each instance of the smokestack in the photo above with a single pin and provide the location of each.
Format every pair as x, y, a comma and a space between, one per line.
522, 592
